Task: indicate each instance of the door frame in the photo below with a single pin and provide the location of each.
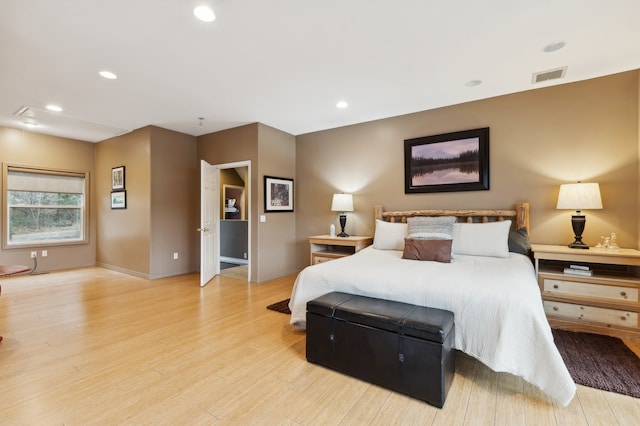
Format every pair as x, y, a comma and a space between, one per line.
247, 184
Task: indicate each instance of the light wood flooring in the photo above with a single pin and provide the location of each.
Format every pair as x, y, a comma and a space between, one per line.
93, 346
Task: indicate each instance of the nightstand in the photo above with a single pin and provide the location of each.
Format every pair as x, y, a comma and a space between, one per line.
325, 247
607, 302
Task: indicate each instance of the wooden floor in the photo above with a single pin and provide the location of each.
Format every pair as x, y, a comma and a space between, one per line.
94, 346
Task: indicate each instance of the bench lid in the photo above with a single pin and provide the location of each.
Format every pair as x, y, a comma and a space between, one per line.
402, 318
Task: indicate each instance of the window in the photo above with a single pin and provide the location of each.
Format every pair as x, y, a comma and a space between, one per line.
44, 207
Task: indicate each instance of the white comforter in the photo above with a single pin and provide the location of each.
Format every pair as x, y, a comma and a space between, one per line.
499, 318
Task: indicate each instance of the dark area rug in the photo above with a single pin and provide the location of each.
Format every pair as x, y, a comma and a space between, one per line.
282, 307
600, 362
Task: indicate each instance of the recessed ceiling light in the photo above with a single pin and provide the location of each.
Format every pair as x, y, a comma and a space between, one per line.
342, 104
472, 83
204, 13
54, 108
552, 47
108, 74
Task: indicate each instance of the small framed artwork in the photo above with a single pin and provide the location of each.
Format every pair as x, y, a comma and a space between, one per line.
450, 162
119, 200
278, 194
117, 178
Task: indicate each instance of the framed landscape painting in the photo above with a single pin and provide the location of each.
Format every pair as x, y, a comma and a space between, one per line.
457, 161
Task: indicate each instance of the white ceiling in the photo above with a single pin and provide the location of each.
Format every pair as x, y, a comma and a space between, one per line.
286, 63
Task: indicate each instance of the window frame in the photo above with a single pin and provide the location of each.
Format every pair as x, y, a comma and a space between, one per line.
6, 168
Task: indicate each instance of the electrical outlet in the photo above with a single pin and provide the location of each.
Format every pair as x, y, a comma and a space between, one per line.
44, 253
175, 256
245, 255
34, 254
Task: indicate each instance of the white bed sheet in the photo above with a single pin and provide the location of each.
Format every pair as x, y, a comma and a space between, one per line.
499, 317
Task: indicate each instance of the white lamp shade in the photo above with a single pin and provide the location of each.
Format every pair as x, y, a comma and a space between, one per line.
342, 203
579, 196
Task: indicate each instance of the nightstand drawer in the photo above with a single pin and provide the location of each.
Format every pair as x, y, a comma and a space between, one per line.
601, 291
591, 313
321, 257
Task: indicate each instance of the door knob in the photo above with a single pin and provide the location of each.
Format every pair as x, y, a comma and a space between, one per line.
203, 229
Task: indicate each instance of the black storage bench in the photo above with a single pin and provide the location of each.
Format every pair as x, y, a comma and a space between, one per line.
395, 345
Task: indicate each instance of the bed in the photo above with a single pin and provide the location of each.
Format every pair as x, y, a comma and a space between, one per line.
492, 290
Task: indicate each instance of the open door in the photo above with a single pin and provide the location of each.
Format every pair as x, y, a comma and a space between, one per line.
209, 222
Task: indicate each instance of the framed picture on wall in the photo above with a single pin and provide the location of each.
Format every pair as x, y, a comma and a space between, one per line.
457, 161
119, 200
278, 194
117, 178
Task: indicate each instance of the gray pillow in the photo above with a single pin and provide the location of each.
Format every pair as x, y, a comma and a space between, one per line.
519, 241
430, 228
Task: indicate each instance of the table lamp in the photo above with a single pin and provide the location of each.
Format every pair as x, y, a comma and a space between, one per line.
579, 196
342, 203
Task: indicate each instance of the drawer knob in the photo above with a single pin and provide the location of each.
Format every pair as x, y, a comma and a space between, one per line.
623, 318
623, 294
555, 308
555, 286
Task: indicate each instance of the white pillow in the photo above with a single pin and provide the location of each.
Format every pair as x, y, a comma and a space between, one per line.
389, 235
481, 239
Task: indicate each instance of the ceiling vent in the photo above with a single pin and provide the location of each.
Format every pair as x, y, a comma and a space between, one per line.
53, 123
554, 74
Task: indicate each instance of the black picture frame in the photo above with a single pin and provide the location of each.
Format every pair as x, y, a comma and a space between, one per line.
118, 200
450, 162
278, 194
117, 178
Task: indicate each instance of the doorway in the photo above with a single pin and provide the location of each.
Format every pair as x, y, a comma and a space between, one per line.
235, 234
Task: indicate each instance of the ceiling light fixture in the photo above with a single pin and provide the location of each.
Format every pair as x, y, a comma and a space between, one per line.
108, 75
204, 13
552, 47
200, 121
54, 108
342, 104
472, 83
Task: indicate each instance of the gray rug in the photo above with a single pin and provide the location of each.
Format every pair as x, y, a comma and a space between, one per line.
600, 362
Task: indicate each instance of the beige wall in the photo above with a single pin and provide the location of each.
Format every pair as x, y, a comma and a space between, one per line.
539, 139
175, 194
33, 149
124, 240
277, 236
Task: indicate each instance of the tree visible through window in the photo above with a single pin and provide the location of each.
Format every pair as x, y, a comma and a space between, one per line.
44, 207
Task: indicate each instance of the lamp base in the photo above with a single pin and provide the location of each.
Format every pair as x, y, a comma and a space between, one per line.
577, 223
578, 245
343, 223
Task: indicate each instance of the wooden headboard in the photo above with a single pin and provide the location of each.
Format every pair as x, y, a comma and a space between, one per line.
519, 216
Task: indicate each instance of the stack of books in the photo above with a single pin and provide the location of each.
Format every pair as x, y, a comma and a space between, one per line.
583, 271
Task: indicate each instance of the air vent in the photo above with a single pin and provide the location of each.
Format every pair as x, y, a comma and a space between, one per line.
554, 74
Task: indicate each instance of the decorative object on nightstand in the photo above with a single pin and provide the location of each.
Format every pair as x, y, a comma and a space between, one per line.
579, 196
342, 203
